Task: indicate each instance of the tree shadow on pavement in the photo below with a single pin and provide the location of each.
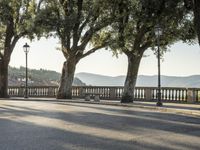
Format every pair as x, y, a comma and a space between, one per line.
148, 129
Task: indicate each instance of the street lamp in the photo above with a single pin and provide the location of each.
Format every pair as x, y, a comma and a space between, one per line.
26, 48
158, 33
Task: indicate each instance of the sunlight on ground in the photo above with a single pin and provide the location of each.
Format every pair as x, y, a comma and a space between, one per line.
93, 121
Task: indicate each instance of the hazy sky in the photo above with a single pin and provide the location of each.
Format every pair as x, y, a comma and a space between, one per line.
182, 60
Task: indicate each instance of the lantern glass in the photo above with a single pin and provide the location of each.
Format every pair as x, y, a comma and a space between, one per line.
26, 48
158, 30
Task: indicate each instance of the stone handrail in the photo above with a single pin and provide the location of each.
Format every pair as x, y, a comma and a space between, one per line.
173, 94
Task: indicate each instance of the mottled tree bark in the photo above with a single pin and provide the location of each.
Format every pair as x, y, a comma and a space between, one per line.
3, 79
131, 77
65, 88
197, 17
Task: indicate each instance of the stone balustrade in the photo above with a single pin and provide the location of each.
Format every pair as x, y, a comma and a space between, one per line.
172, 94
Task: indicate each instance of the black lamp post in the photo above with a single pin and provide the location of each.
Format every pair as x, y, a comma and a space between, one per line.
158, 33
26, 48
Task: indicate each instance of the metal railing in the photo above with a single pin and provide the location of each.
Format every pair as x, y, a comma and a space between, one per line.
172, 94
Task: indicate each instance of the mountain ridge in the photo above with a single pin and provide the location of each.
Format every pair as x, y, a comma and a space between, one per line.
44, 77
142, 80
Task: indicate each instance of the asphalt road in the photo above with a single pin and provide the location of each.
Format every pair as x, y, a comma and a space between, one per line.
38, 125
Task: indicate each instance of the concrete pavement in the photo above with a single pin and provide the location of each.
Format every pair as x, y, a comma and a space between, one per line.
179, 108
47, 124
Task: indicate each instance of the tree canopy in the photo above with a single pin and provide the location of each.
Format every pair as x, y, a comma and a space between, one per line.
134, 33
17, 20
124, 25
77, 23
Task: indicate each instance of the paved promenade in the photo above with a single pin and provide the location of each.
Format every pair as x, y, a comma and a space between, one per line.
48, 124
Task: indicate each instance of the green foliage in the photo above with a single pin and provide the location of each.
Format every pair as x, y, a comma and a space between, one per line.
35, 74
101, 37
22, 13
40, 77
77, 23
134, 32
191, 5
17, 19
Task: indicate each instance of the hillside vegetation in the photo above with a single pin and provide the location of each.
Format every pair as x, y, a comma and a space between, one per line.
44, 77
36, 77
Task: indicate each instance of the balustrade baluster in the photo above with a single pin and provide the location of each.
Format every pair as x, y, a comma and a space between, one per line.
118, 93
153, 93
198, 93
165, 94
143, 95
139, 90
175, 94
184, 94
139, 93
42, 91
172, 95
179, 95
168, 94
161, 93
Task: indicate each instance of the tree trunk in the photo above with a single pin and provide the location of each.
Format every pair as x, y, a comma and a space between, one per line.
131, 77
197, 17
65, 88
3, 79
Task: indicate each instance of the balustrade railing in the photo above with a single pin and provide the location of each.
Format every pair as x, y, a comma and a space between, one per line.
113, 93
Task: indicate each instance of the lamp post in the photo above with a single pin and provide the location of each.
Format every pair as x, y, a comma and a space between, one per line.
158, 33
26, 48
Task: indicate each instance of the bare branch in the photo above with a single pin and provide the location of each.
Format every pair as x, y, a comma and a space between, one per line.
76, 35
88, 35
146, 45
14, 41
95, 49
83, 25
39, 5
139, 36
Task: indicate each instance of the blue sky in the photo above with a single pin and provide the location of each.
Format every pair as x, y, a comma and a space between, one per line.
182, 60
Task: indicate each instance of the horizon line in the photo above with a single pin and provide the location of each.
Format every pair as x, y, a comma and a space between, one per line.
108, 75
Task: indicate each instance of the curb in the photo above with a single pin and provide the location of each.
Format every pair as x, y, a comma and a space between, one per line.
181, 111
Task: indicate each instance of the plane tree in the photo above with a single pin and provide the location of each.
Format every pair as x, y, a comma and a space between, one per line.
134, 33
197, 17
192, 5
195, 6
77, 23
16, 21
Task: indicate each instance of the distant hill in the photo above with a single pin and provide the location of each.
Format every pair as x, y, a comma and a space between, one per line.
39, 77
149, 81
170, 81
100, 80
44, 77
